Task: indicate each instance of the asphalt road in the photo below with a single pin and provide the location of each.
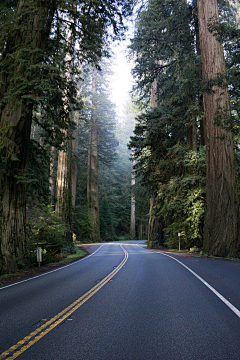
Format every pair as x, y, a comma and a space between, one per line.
125, 303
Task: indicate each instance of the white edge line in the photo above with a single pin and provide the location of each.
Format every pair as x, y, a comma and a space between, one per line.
142, 246
49, 272
224, 300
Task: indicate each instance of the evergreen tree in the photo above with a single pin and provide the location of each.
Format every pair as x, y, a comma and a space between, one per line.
32, 48
167, 50
166, 68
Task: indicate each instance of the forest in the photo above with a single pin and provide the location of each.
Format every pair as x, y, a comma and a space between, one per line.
72, 171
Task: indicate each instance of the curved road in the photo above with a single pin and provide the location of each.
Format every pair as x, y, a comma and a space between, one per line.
125, 302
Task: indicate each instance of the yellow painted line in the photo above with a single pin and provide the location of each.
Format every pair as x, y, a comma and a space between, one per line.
31, 339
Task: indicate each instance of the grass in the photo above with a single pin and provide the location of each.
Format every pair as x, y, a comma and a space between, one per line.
5, 276
68, 259
220, 258
177, 250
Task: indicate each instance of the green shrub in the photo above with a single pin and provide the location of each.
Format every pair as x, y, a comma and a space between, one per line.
181, 200
21, 264
70, 249
46, 231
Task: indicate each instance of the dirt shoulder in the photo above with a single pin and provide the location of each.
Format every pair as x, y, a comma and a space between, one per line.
89, 248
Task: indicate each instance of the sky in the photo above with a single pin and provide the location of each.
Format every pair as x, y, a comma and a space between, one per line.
122, 79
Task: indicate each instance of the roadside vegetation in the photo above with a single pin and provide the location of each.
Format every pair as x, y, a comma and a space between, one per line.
74, 171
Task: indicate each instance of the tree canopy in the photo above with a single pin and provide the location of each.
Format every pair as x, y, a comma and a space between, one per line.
64, 152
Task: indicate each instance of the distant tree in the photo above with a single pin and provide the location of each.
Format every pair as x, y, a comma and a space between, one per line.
133, 200
106, 221
236, 8
97, 120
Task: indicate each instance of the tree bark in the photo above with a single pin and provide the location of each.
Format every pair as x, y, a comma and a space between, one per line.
154, 97
63, 185
199, 75
92, 176
222, 207
74, 163
153, 222
132, 224
51, 176
153, 225
64, 171
140, 230
192, 136
202, 123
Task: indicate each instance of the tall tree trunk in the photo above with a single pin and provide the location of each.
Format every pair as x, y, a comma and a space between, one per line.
63, 186
154, 97
192, 136
51, 176
153, 225
75, 137
140, 230
192, 125
64, 171
192, 128
92, 176
199, 75
15, 126
74, 163
132, 224
202, 122
222, 207
153, 222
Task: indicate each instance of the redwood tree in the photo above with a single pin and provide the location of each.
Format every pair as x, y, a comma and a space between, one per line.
133, 221
64, 173
222, 207
92, 176
30, 27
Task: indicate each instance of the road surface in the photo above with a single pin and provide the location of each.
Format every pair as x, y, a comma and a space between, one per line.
125, 302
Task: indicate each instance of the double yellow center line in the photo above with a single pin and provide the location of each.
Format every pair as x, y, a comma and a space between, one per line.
15, 350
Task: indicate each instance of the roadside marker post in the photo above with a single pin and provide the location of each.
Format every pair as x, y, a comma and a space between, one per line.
179, 235
39, 255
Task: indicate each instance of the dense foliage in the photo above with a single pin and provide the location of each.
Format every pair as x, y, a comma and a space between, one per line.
42, 44
169, 135
48, 53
